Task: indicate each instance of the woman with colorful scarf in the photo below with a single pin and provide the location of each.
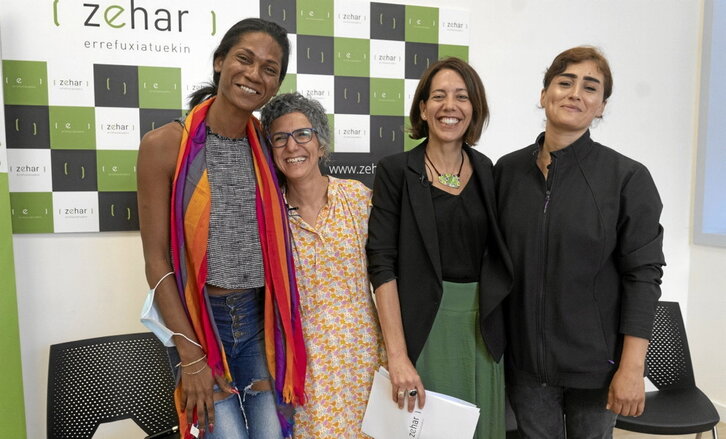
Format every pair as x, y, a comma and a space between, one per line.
211, 214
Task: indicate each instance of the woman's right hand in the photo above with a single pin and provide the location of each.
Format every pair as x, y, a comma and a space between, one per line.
198, 393
406, 385
404, 378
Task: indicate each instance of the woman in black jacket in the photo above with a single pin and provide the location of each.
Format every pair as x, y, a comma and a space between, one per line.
436, 256
582, 224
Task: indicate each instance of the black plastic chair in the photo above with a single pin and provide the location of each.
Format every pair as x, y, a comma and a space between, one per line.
108, 379
678, 406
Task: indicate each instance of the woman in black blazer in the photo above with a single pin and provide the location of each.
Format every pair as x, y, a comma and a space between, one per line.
436, 257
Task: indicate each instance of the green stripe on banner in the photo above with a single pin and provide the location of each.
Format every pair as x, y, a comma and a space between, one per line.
12, 406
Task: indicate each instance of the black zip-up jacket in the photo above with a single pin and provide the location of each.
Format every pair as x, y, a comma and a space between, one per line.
586, 246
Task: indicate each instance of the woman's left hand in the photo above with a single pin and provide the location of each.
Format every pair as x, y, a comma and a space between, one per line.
626, 395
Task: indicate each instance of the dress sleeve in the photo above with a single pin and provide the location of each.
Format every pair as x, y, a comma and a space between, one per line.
640, 253
383, 226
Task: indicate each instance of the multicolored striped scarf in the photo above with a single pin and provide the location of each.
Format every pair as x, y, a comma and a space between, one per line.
191, 204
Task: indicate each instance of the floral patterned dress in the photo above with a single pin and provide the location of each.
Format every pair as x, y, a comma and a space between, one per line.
340, 325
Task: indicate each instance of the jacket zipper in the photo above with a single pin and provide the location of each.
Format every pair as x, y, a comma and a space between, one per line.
549, 185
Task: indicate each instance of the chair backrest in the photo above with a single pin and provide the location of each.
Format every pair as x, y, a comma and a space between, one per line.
108, 379
669, 360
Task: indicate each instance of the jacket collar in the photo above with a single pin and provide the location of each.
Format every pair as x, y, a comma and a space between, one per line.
578, 148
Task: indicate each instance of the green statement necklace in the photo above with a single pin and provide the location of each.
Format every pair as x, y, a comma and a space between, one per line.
450, 180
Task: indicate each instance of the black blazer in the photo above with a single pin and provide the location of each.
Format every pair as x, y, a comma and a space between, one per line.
403, 245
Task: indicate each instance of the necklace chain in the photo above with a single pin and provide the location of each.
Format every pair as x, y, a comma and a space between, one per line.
448, 179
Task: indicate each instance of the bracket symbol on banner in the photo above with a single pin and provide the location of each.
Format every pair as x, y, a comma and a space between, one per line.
18, 129
284, 12
55, 13
128, 212
393, 134
123, 83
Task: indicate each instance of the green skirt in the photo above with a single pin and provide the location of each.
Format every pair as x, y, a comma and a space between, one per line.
456, 362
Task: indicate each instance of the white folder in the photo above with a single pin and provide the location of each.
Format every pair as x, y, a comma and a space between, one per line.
442, 416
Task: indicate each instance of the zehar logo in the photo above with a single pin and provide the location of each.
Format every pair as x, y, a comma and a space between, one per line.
135, 15
454, 25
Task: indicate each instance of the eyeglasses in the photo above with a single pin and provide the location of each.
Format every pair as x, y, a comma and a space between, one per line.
300, 135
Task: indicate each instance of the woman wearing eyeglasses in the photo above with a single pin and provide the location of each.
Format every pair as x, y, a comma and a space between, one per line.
329, 223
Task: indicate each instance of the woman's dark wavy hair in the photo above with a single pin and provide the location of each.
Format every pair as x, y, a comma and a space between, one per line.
477, 97
277, 32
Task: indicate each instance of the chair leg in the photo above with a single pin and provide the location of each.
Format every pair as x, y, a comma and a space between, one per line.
714, 433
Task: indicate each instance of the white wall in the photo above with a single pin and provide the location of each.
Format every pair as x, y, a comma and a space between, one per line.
706, 322
707, 286
85, 285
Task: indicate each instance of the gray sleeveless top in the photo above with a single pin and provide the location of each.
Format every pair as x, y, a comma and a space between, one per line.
234, 254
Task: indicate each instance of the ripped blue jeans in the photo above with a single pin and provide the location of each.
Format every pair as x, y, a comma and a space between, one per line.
252, 414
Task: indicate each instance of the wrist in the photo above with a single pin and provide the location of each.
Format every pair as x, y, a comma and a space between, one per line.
632, 367
189, 353
397, 356
199, 360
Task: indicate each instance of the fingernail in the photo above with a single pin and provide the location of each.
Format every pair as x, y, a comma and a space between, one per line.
211, 428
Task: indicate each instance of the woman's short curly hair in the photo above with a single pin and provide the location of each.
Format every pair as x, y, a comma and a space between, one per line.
287, 103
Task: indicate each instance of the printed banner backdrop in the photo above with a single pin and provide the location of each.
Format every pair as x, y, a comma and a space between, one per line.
11, 398
84, 81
